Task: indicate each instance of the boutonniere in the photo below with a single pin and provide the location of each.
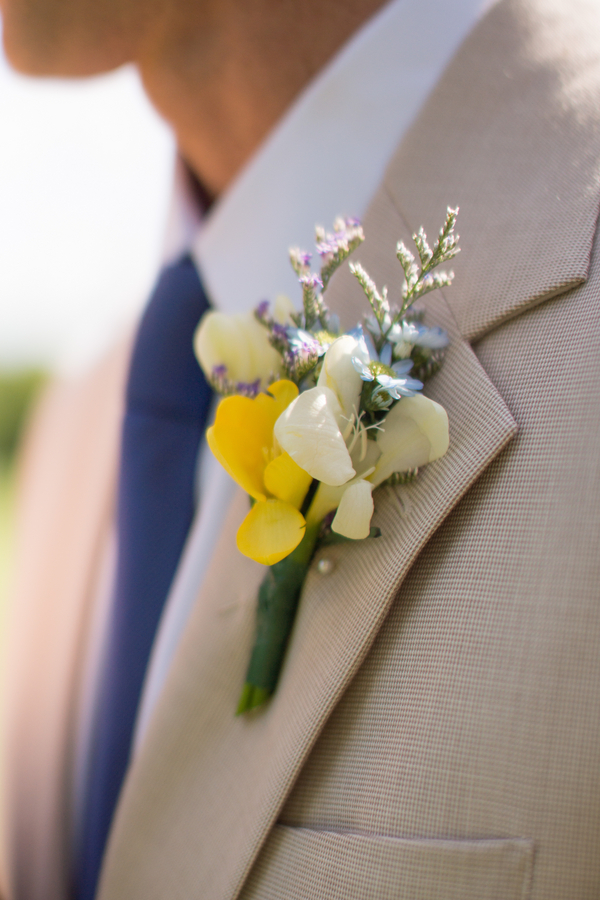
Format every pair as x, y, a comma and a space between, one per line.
313, 420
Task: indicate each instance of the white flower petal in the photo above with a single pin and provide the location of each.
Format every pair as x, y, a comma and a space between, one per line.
264, 359
238, 342
415, 432
339, 375
353, 518
308, 430
371, 454
326, 499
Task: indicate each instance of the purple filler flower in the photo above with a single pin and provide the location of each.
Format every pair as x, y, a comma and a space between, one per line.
311, 281
262, 309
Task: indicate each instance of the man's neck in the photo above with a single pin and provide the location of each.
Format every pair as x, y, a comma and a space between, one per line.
224, 79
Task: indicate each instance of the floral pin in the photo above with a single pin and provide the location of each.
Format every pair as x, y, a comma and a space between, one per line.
313, 420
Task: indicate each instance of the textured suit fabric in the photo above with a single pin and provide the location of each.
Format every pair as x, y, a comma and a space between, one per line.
167, 403
435, 730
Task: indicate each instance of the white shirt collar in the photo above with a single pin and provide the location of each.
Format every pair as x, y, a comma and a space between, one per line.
327, 155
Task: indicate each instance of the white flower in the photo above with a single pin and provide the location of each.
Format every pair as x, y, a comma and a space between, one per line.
414, 432
309, 431
339, 373
239, 343
322, 434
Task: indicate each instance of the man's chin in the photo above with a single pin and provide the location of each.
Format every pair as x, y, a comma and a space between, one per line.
39, 55
26, 63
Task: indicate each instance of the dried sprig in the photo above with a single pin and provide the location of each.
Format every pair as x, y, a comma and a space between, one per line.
420, 281
335, 247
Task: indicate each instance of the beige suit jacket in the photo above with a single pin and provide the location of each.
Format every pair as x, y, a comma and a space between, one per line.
436, 731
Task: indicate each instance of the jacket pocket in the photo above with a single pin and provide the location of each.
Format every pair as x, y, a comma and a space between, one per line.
305, 864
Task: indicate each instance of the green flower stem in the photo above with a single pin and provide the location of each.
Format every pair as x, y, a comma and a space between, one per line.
277, 603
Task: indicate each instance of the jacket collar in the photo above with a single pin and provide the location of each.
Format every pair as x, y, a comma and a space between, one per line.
511, 136
206, 787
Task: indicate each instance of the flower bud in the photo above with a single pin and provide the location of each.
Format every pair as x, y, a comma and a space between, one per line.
238, 343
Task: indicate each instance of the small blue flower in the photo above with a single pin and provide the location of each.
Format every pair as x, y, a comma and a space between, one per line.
432, 338
364, 371
403, 366
366, 342
413, 333
386, 354
399, 387
369, 346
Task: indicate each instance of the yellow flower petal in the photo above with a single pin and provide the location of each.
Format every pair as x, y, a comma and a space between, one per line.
286, 480
270, 531
242, 436
281, 393
241, 439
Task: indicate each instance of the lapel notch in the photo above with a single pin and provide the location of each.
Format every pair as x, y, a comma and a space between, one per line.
510, 134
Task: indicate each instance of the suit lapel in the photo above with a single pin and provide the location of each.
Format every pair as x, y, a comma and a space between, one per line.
206, 787
511, 136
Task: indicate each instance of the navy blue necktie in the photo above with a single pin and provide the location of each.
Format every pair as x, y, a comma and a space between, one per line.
167, 403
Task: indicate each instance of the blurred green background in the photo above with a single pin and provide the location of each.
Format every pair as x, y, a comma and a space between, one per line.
18, 390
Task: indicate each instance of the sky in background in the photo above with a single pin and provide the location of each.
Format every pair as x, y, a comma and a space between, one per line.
85, 185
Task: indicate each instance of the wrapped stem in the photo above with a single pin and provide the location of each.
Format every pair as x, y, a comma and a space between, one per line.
277, 603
